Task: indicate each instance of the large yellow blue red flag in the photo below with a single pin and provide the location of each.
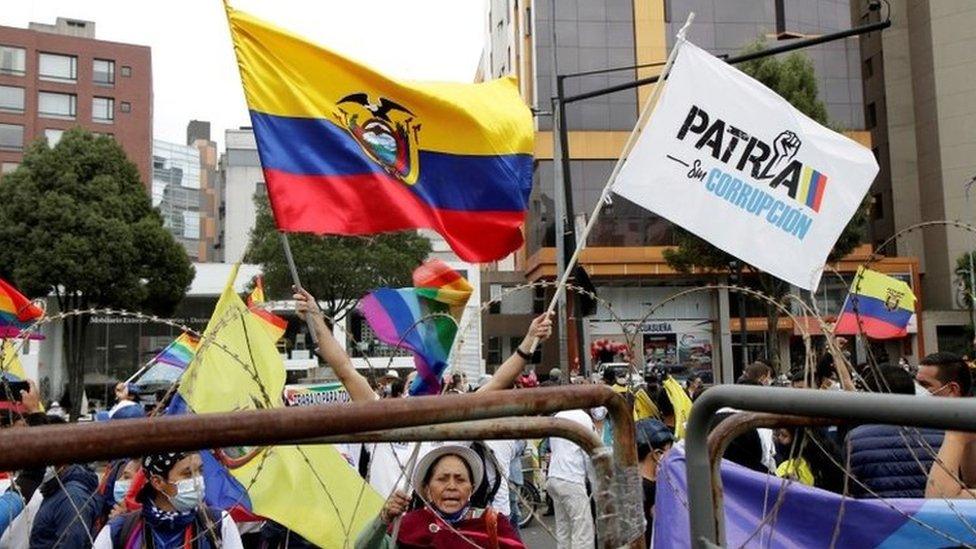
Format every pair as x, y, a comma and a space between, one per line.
346, 150
878, 306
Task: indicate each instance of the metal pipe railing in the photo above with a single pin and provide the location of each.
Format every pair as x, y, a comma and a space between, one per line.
706, 518
80, 443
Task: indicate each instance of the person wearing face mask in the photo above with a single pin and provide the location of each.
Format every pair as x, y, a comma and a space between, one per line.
173, 514
114, 486
444, 480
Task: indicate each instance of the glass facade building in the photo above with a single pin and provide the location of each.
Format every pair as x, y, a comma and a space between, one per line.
176, 192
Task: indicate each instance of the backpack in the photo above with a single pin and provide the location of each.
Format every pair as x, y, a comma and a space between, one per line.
132, 525
485, 492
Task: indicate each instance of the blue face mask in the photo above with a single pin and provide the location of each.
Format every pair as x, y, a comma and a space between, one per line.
189, 494
120, 490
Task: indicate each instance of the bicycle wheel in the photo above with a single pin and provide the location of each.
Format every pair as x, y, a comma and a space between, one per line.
528, 503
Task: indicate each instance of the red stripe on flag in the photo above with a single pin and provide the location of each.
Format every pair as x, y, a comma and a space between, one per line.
377, 203
821, 187
847, 324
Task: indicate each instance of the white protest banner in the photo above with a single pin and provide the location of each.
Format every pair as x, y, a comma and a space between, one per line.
733, 162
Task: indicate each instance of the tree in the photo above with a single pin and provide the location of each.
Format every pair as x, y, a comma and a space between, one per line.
337, 270
794, 79
78, 224
965, 275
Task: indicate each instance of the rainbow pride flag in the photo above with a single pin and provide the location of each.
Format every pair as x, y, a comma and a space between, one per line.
16, 311
348, 151
180, 352
877, 306
275, 325
401, 318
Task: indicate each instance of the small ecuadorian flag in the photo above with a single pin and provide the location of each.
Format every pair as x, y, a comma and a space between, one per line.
346, 150
877, 306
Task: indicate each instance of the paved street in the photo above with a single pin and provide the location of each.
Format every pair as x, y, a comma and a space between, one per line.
536, 536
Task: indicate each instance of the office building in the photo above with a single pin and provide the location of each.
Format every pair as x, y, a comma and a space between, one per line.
918, 92
56, 77
624, 253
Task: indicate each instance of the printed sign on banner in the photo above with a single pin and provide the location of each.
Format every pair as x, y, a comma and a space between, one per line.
733, 162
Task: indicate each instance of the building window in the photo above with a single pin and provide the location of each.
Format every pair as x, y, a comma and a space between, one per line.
494, 351
495, 292
869, 67
11, 137
871, 116
8, 167
126, 71
63, 68
53, 136
11, 99
13, 60
57, 105
103, 72
125, 106
191, 225
103, 109
261, 189
538, 300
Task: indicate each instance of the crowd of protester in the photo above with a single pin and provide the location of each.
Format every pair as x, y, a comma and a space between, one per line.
475, 490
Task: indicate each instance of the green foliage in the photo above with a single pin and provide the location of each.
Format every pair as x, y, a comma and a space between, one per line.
335, 269
963, 264
77, 223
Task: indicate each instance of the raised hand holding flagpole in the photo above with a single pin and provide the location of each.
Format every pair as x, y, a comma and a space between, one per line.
608, 188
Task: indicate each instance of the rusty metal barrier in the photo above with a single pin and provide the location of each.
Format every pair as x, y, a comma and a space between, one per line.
706, 516
619, 521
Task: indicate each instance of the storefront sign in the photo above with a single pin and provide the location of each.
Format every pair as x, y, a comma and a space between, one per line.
315, 394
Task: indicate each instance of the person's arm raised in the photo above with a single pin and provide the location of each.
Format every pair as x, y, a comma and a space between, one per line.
330, 350
507, 373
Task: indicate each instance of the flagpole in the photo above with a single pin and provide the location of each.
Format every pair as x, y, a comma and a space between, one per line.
607, 189
298, 284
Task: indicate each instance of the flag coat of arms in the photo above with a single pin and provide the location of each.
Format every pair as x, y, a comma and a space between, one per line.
878, 306
731, 161
348, 151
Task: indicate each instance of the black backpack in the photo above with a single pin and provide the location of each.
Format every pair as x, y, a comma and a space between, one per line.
485, 492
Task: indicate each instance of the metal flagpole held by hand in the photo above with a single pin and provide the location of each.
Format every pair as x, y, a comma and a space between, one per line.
631, 141
298, 285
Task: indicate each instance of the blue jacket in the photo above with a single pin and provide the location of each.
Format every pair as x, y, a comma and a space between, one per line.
56, 523
886, 458
11, 504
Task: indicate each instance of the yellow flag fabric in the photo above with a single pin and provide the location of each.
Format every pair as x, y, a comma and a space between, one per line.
681, 403
311, 490
11, 361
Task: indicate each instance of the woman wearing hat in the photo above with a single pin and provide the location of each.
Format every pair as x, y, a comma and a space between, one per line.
444, 479
173, 515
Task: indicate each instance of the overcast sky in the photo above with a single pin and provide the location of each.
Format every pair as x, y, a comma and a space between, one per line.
194, 73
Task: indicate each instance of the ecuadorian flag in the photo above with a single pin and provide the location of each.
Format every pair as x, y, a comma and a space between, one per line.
346, 150
877, 306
